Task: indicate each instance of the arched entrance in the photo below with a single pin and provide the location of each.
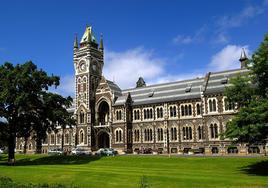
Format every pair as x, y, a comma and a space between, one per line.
103, 140
103, 113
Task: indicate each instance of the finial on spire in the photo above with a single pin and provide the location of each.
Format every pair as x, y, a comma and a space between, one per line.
101, 42
243, 59
75, 41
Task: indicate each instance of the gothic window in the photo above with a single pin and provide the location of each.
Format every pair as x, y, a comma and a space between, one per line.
159, 112
172, 111
148, 135
212, 105
200, 132
173, 133
81, 135
160, 134
118, 115
186, 110
228, 106
136, 114
213, 131
52, 139
187, 133
148, 113
118, 135
198, 109
82, 117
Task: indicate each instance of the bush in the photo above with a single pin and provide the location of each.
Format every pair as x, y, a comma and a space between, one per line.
6, 182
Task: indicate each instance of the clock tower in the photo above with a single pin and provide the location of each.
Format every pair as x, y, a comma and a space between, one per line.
88, 64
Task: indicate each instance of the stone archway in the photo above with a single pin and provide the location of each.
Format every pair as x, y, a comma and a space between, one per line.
103, 113
103, 140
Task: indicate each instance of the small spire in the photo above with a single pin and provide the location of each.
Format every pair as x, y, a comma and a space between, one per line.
101, 43
243, 55
75, 42
243, 59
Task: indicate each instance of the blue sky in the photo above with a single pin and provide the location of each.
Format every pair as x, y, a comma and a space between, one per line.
159, 40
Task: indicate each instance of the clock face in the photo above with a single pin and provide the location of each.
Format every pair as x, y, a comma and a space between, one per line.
82, 67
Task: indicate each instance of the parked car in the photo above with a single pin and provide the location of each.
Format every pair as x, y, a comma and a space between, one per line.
80, 151
55, 151
106, 152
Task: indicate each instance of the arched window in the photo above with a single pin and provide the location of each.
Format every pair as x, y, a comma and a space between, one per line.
172, 111
151, 135
186, 110
182, 110
213, 131
82, 117
151, 114
200, 132
174, 134
20, 147
118, 135
81, 135
198, 109
160, 134
190, 110
119, 115
187, 133
144, 114
212, 105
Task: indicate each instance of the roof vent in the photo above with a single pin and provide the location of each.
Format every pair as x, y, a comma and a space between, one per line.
224, 80
188, 88
151, 94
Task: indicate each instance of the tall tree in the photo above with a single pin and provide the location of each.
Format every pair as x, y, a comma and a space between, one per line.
20, 87
250, 125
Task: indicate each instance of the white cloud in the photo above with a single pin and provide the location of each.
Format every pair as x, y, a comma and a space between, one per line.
126, 67
239, 19
187, 39
66, 87
180, 39
227, 58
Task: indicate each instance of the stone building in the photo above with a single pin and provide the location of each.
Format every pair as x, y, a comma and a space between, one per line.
176, 117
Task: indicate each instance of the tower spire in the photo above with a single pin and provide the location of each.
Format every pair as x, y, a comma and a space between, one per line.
243, 59
88, 34
75, 42
101, 43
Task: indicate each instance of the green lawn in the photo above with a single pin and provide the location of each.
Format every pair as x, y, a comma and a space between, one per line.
126, 171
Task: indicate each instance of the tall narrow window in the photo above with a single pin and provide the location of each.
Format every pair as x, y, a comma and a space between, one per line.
198, 109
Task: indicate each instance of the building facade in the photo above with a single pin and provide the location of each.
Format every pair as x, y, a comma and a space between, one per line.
176, 117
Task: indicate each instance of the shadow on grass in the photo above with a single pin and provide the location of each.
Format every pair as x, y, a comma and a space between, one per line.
259, 168
53, 160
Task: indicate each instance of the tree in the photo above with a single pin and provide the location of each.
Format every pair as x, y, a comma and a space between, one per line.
250, 93
20, 88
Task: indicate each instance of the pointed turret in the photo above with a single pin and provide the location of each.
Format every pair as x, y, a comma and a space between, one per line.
243, 59
75, 42
101, 43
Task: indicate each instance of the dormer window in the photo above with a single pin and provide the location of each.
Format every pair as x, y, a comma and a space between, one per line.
188, 88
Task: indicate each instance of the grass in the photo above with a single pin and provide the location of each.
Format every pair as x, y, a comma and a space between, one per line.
130, 171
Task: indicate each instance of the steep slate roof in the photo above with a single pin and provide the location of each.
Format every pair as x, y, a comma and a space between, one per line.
114, 87
180, 90
216, 82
